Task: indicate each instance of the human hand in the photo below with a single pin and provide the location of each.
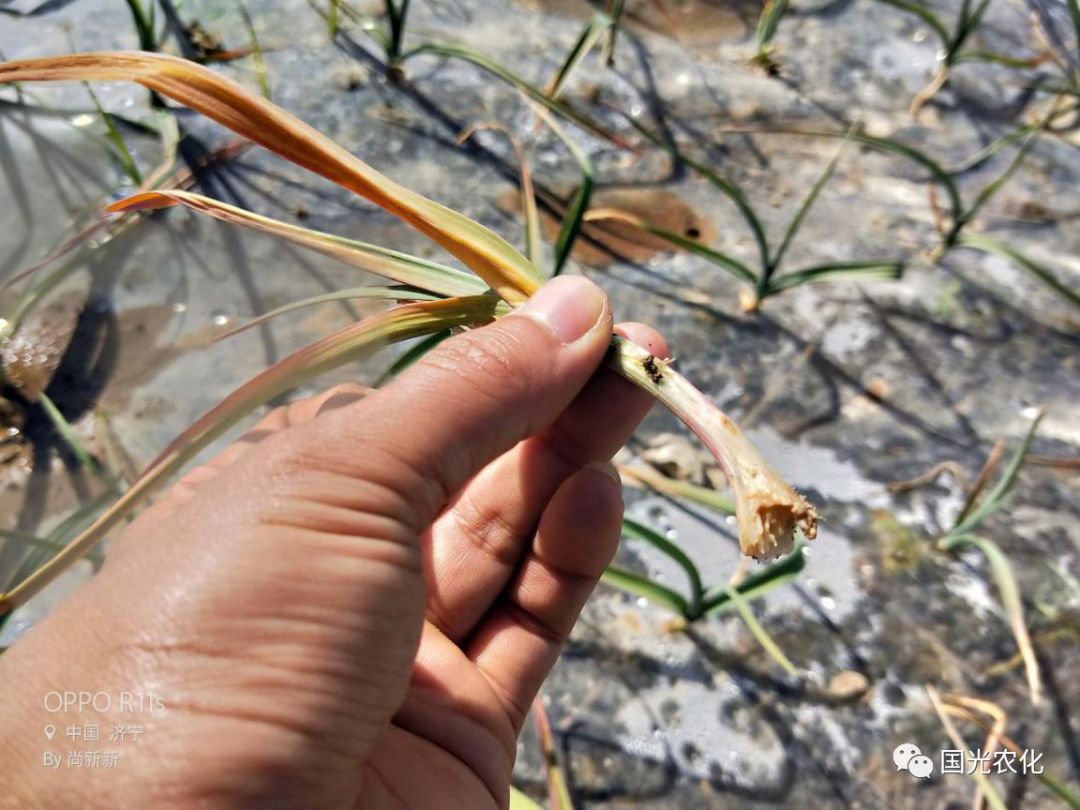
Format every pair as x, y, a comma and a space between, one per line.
355, 604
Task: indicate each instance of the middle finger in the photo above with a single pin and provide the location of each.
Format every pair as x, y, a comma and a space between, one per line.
474, 546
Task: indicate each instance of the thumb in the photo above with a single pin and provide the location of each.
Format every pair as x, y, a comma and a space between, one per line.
468, 401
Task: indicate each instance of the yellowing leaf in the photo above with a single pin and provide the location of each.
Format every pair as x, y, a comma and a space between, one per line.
350, 343
382, 261
492, 258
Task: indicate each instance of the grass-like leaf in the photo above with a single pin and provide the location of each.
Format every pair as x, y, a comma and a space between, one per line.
1074, 13
352, 342
888, 269
529, 212
574, 216
726, 186
804, 209
981, 779
994, 186
396, 15
890, 146
729, 263
957, 706
966, 25
769, 20
586, 41
1039, 271
995, 498
391, 264
615, 9
452, 51
256, 50
995, 58
399, 294
60, 536
519, 801
46, 544
333, 18
1000, 569
639, 531
119, 146
504, 269
646, 588
1002, 573
924, 14
758, 583
911, 153
759, 633
558, 789
144, 25
771, 13
67, 434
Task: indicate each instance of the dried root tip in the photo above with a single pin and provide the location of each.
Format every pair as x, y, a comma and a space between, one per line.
776, 525
768, 510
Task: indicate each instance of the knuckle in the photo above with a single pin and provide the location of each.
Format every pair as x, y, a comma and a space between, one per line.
487, 530
491, 359
340, 396
347, 390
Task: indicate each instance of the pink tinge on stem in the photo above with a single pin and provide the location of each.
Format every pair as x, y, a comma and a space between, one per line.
768, 510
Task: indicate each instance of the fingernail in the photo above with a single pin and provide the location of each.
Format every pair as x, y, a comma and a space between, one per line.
567, 305
608, 469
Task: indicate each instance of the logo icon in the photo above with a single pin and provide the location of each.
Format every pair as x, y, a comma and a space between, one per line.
50, 732
908, 757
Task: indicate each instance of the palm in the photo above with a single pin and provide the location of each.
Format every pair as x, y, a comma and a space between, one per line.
447, 758
312, 651
507, 566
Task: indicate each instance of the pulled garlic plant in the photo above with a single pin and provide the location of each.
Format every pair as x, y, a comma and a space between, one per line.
767, 508
437, 298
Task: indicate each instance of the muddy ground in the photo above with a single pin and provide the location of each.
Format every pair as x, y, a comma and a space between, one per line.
847, 388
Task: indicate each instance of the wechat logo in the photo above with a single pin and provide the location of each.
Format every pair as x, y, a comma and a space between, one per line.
909, 758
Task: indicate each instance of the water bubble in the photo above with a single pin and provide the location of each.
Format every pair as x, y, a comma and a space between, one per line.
642, 602
828, 603
731, 520
920, 35
83, 120
219, 318
179, 307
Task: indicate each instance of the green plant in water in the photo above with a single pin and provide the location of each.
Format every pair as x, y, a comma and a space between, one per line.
962, 535
953, 221
766, 279
953, 40
390, 34
698, 601
765, 57
769, 512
